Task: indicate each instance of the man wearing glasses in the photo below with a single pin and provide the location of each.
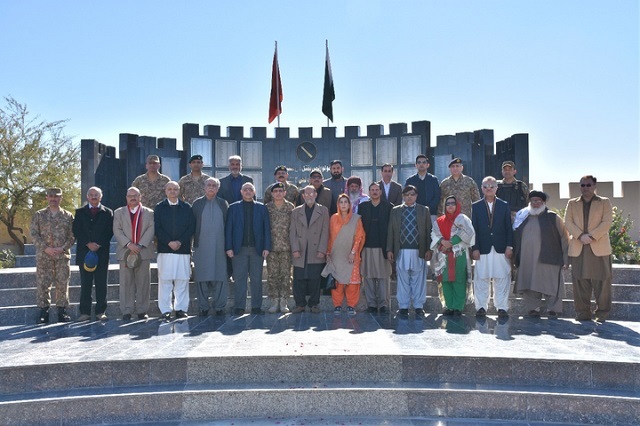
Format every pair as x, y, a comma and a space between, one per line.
588, 219
408, 242
492, 251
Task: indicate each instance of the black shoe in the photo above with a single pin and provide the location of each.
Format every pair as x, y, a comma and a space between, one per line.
238, 312
447, 312
63, 316
481, 313
257, 311
552, 315
502, 313
419, 313
403, 313
372, 310
457, 312
181, 314
166, 316
43, 318
143, 316
533, 314
383, 310
220, 313
126, 317
203, 312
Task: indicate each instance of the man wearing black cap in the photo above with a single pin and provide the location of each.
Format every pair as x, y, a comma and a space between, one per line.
192, 185
541, 245
93, 229
463, 187
290, 190
512, 190
323, 193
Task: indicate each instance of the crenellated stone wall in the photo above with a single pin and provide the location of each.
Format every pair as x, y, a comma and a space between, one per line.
628, 203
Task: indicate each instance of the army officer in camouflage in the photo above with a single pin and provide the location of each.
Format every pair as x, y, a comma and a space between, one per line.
463, 187
279, 258
192, 185
151, 184
52, 234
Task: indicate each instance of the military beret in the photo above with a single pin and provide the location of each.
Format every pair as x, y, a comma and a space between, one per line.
280, 168
278, 185
455, 161
195, 157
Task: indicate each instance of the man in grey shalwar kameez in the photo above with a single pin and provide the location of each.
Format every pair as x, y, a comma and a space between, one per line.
541, 252
209, 257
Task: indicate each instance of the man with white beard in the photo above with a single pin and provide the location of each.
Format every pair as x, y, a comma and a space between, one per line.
541, 259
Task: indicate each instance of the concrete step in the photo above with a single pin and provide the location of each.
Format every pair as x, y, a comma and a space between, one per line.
30, 249
377, 404
244, 387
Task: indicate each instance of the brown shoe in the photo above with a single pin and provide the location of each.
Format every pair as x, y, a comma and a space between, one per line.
298, 309
315, 309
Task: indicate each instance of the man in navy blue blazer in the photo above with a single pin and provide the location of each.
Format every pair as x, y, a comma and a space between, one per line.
247, 243
493, 249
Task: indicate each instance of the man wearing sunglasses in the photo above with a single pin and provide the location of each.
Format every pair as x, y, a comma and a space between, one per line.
588, 219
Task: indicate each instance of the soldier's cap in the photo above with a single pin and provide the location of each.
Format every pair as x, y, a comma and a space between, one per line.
539, 194
90, 261
316, 172
455, 161
195, 157
54, 191
354, 179
280, 168
153, 158
508, 164
278, 185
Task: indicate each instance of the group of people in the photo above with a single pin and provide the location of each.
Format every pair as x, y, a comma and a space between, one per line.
328, 234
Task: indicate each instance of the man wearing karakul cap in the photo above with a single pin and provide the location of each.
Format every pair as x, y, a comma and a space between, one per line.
192, 184
52, 233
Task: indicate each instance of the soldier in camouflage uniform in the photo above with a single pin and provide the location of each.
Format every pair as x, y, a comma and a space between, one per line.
151, 184
52, 234
291, 191
279, 258
192, 185
460, 186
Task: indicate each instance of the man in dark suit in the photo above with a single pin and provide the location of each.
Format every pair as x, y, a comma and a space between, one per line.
247, 243
427, 185
493, 249
93, 229
391, 190
231, 184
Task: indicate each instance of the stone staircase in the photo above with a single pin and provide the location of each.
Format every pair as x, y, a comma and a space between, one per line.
265, 368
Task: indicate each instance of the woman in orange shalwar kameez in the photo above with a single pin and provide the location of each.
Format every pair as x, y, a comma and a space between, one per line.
346, 238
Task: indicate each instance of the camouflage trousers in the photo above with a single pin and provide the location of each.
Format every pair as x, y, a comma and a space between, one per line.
49, 273
279, 274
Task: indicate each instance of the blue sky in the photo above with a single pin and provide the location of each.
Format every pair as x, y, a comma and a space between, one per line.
564, 71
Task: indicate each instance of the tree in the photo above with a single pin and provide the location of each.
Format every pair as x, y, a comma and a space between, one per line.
34, 155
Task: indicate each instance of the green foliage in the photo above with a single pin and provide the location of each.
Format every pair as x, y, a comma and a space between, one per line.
624, 249
34, 155
7, 259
